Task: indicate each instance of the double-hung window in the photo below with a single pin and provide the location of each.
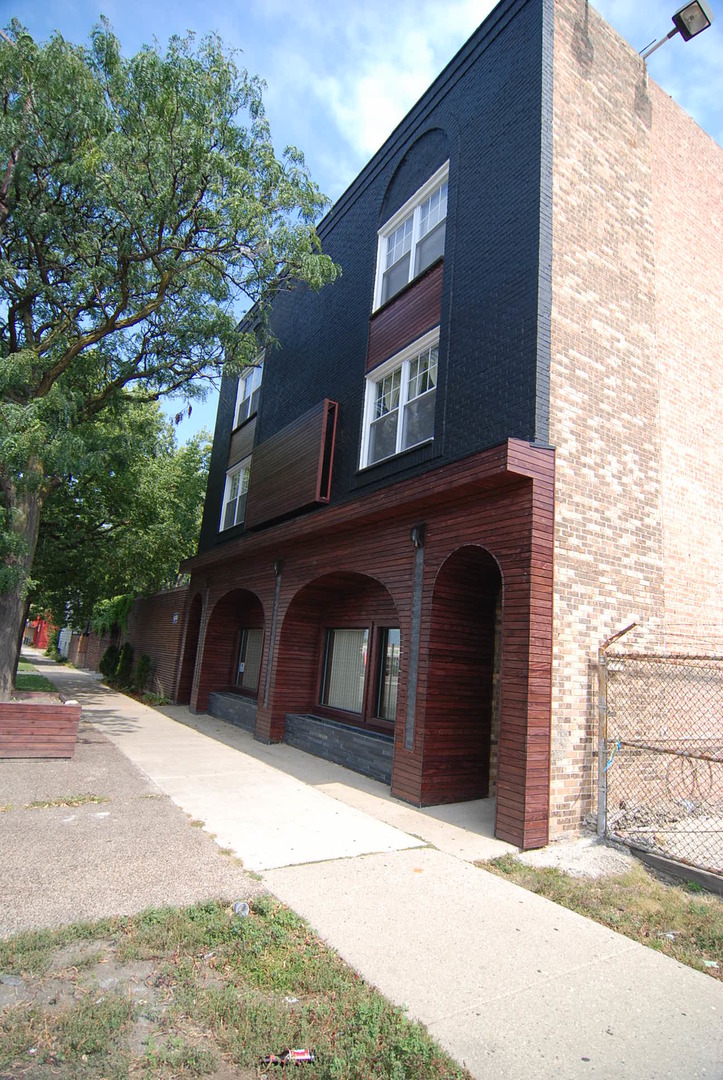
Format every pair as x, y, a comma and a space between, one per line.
234, 499
400, 395
249, 390
413, 238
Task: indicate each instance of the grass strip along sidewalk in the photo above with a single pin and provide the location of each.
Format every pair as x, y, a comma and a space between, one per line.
682, 921
193, 992
29, 678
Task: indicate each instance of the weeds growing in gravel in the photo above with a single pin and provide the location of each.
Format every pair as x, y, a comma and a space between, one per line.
66, 800
175, 992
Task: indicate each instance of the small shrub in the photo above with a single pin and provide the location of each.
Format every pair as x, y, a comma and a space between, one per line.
152, 699
52, 650
125, 665
142, 673
108, 663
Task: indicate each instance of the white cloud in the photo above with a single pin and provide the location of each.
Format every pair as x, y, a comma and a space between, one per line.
365, 64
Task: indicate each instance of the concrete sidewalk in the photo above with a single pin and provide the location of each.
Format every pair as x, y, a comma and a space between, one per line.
510, 984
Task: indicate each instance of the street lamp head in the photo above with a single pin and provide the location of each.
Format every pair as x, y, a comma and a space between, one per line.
688, 21
692, 19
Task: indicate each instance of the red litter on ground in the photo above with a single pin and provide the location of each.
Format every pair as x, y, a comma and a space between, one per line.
289, 1057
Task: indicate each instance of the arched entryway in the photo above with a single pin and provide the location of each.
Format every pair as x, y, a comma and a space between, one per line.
337, 688
233, 647
190, 651
462, 699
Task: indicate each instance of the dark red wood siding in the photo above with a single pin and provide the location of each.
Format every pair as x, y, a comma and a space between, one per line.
237, 609
292, 470
242, 442
38, 730
336, 600
405, 318
459, 692
498, 502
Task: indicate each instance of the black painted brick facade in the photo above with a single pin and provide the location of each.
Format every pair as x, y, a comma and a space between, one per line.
366, 752
485, 112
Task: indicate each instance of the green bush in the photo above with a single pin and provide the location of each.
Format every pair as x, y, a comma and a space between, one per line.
142, 673
108, 663
125, 665
52, 650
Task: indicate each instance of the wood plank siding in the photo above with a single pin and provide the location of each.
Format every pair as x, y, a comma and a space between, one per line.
292, 469
405, 318
38, 730
242, 442
236, 610
488, 526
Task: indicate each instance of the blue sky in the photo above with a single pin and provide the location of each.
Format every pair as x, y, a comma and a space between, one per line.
341, 75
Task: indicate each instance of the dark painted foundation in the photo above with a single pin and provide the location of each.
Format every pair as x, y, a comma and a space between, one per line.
233, 708
366, 752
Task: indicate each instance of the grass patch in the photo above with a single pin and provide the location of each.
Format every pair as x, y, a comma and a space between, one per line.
682, 922
214, 987
30, 954
29, 678
179, 1056
66, 800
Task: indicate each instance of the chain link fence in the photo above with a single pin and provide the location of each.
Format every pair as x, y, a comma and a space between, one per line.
661, 777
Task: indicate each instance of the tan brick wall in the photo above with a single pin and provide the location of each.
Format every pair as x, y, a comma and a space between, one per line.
688, 220
604, 381
636, 379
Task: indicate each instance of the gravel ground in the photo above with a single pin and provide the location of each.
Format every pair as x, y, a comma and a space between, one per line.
585, 856
61, 864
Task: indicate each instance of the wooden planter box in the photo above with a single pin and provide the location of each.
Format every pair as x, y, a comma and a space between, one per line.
38, 730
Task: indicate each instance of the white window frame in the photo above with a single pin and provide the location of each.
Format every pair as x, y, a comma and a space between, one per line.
400, 360
249, 386
411, 210
241, 470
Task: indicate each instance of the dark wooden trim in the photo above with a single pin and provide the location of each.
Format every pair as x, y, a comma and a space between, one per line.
292, 470
326, 458
242, 441
413, 311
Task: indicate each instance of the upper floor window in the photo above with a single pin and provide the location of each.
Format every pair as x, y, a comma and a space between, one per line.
413, 238
234, 498
249, 389
400, 395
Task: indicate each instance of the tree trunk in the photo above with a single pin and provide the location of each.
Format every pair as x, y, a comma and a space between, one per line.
24, 520
20, 639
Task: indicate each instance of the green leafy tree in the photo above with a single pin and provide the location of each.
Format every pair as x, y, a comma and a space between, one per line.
121, 528
142, 205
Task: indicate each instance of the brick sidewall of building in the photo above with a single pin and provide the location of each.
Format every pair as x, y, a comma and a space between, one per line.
688, 220
155, 628
635, 378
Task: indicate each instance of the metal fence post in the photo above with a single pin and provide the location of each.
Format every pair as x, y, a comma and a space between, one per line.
602, 709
